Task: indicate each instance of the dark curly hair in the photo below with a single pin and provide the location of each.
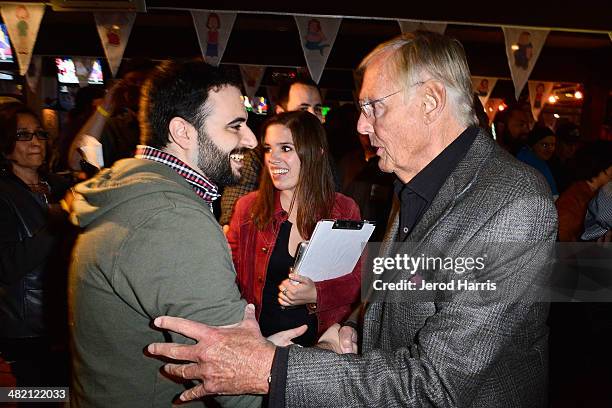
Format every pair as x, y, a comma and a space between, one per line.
177, 89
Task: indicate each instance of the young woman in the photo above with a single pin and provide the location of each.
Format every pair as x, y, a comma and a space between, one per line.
296, 190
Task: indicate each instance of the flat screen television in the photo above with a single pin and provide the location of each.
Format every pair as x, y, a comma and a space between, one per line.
6, 53
6, 76
66, 72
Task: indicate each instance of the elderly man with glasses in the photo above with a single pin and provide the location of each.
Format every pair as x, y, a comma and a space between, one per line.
485, 346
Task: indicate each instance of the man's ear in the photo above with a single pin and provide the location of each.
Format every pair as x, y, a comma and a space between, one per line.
434, 100
278, 109
181, 132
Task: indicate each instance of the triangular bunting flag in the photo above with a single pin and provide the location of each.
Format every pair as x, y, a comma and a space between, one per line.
22, 22
33, 73
213, 30
114, 30
408, 26
492, 107
523, 46
82, 68
317, 36
483, 86
538, 96
251, 78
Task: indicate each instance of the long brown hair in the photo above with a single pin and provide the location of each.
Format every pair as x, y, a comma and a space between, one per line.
315, 188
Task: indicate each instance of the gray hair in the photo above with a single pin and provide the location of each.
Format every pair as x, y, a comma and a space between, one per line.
442, 57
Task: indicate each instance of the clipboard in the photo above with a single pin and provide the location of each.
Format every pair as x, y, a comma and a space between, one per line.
334, 249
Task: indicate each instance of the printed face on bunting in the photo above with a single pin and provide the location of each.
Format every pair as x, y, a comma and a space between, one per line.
114, 30
538, 96
213, 30
483, 87
317, 36
523, 48
22, 23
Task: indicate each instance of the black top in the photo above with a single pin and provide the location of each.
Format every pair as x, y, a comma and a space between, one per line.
33, 261
273, 317
416, 195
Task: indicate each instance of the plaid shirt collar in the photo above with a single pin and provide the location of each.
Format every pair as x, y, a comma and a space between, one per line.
202, 186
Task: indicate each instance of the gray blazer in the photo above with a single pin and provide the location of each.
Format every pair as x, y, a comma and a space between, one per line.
452, 354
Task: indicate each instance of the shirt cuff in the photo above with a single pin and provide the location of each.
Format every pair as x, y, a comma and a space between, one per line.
278, 381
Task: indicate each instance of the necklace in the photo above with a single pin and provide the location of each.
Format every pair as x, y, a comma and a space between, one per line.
41, 188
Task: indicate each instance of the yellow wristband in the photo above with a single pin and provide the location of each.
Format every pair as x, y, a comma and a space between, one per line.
103, 111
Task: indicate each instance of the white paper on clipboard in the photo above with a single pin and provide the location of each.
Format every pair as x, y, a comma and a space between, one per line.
334, 249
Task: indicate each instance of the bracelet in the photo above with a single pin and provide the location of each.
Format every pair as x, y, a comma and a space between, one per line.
312, 308
103, 111
350, 323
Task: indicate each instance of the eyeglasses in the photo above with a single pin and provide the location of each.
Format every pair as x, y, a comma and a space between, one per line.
547, 145
368, 108
25, 136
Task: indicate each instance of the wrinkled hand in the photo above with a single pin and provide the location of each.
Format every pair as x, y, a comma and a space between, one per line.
291, 294
339, 339
228, 360
283, 339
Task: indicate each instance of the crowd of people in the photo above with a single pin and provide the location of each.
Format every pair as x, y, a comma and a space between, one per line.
115, 260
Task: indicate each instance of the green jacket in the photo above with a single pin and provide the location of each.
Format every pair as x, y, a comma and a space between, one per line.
150, 247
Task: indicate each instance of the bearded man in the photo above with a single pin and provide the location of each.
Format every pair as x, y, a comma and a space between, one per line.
150, 244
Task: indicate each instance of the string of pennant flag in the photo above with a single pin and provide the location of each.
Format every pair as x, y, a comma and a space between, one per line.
317, 37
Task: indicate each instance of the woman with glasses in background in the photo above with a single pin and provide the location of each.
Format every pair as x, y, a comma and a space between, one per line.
32, 276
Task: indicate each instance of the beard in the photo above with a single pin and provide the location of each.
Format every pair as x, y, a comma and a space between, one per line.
215, 163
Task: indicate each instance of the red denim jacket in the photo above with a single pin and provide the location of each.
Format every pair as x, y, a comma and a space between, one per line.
252, 248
